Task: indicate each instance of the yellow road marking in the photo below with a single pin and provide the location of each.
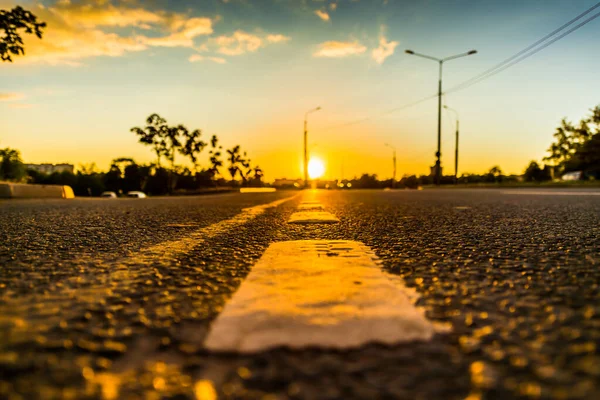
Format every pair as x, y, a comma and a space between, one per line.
318, 293
313, 217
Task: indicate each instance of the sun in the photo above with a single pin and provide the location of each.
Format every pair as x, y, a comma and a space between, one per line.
316, 168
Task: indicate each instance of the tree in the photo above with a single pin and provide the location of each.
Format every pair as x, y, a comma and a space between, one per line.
494, 175
89, 182
12, 22
154, 134
172, 138
587, 158
366, 181
215, 155
239, 164
192, 146
534, 173
569, 140
245, 168
11, 166
234, 160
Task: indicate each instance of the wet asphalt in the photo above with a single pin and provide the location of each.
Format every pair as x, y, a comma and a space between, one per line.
515, 277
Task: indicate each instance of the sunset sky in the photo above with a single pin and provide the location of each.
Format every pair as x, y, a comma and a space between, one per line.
248, 70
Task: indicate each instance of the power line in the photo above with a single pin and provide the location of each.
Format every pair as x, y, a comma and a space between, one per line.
381, 114
528, 51
509, 62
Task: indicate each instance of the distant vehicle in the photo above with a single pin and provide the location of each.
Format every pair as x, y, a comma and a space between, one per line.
136, 195
109, 195
573, 176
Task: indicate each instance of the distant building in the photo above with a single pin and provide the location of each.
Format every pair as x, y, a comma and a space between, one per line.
51, 168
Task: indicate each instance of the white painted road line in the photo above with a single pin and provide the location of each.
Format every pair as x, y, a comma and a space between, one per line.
313, 217
310, 206
551, 193
317, 293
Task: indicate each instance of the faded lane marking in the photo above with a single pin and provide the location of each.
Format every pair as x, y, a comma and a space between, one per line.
310, 206
26, 316
174, 248
550, 193
318, 293
313, 217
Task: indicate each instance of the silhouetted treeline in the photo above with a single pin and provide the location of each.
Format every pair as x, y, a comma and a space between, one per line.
126, 175
370, 181
11, 166
577, 147
166, 141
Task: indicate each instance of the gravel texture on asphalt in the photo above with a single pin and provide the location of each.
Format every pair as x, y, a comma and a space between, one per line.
515, 277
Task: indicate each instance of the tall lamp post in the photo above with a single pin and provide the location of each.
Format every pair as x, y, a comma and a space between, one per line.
306, 145
394, 162
441, 62
455, 145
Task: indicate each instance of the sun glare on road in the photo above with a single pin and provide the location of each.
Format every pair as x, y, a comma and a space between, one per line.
316, 168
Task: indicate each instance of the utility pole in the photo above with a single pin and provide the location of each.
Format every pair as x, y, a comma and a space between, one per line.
456, 156
394, 163
306, 145
455, 145
438, 154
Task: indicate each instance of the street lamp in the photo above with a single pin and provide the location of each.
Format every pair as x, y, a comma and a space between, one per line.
441, 61
394, 162
455, 145
306, 145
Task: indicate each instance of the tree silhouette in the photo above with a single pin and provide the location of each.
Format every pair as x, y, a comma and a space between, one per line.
154, 134
192, 146
234, 160
534, 173
569, 139
12, 22
215, 155
11, 166
244, 168
238, 163
172, 138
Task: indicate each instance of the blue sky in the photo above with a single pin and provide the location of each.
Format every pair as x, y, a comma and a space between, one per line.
248, 70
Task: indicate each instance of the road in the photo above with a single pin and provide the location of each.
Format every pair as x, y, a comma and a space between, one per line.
114, 298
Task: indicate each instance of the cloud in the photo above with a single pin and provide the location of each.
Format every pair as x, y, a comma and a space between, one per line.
100, 13
241, 42
322, 14
185, 32
11, 96
79, 31
384, 50
198, 57
218, 60
335, 49
21, 105
277, 38
238, 43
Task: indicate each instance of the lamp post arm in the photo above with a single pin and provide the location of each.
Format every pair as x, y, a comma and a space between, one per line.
424, 56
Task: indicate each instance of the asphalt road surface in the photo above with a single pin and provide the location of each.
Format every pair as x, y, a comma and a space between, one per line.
113, 299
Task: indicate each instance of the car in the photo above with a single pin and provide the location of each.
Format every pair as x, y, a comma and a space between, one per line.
136, 195
109, 195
